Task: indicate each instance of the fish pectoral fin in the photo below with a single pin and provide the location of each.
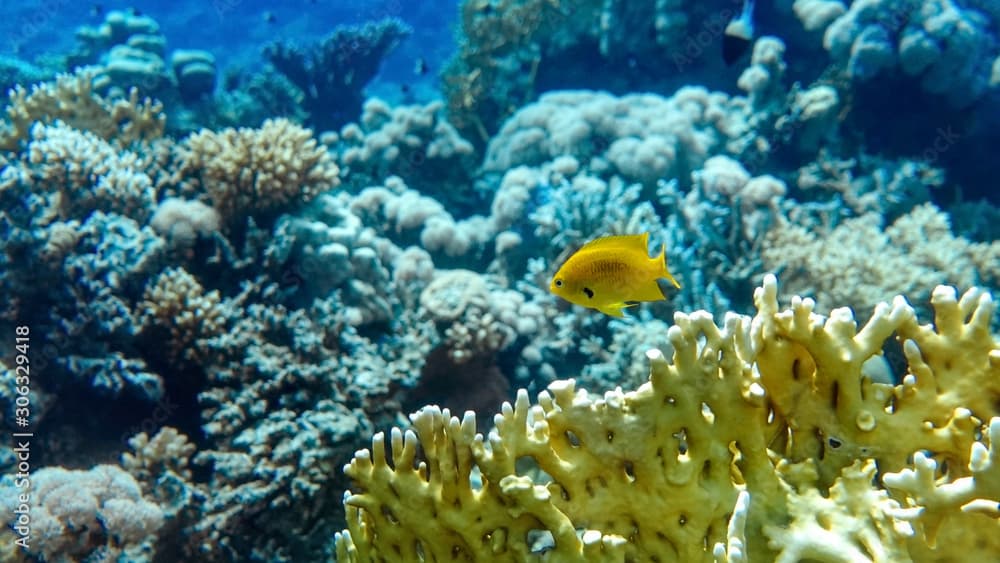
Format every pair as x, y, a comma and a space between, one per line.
615, 309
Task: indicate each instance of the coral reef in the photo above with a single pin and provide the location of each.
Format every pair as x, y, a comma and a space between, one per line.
759, 441
512, 50
642, 137
179, 308
252, 273
128, 51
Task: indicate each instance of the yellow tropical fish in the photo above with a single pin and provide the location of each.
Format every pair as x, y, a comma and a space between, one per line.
607, 273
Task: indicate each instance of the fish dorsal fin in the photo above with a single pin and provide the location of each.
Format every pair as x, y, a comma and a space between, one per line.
620, 242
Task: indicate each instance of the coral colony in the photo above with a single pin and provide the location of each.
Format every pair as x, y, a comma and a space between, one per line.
266, 315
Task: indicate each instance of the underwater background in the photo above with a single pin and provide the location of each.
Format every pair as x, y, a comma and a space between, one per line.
241, 238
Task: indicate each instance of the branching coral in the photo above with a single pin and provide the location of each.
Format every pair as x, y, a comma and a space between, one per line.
72, 100
835, 266
176, 304
160, 464
934, 501
288, 392
257, 171
760, 441
88, 173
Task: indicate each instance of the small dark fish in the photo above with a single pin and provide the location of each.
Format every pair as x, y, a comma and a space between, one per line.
405, 88
135, 12
269, 17
290, 277
96, 10
420, 68
738, 35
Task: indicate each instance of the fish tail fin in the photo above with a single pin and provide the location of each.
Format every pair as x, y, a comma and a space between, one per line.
664, 271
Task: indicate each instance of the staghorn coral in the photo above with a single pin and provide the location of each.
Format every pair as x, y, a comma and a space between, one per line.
759, 441
256, 171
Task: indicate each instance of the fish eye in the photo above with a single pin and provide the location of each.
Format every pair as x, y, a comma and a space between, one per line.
558, 283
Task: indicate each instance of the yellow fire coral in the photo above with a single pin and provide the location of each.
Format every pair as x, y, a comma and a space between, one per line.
760, 441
